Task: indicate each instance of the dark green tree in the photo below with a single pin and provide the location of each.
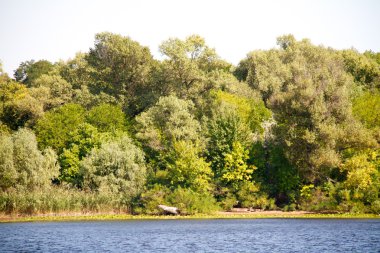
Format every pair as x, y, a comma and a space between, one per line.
308, 90
29, 71
120, 67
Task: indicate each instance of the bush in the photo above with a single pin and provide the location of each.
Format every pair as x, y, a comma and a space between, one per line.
375, 207
150, 199
249, 196
289, 208
229, 202
190, 202
352, 207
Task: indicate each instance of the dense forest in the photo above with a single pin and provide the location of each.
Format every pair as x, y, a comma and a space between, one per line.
296, 127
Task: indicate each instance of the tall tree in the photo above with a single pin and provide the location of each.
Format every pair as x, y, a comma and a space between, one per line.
22, 165
121, 67
188, 65
309, 92
29, 71
170, 120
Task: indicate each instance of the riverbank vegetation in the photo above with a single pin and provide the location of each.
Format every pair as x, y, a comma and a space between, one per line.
62, 217
296, 127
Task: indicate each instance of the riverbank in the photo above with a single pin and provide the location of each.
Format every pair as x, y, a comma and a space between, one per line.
217, 215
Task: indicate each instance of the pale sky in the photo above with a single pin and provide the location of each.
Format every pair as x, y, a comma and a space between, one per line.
57, 29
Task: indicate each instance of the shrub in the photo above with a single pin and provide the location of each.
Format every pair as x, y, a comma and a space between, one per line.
190, 202
150, 199
229, 202
375, 207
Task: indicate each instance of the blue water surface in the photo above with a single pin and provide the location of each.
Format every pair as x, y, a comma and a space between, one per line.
214, 235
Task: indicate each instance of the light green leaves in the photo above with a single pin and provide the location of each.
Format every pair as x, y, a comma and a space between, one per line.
168, 121
117, 167
22, 165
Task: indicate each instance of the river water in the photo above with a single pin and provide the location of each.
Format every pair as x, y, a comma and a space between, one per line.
214, 235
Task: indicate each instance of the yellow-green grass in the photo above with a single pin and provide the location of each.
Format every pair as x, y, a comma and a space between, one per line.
126, 217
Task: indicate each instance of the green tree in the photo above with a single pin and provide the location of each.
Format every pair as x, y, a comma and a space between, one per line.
76, 71
80, 143
168, 121
8, 173
365, 70
107, 118
373, 55
117, 167
367, 109
233, 119
236, 170
18, 107
188, 64
186, 169
85, 98
275, 173
362, 176
52, 91
55, 128
29, 71
23, 165
121, 68
308, 90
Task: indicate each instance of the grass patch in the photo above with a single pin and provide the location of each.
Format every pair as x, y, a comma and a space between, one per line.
110, 217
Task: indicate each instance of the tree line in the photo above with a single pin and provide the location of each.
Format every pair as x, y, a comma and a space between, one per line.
293, 127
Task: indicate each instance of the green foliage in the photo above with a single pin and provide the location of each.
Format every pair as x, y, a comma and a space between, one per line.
241, 71
278, 177
185, 168
375, 206
76, 71
236, 169
52, 91
22, 165
107, 118
191, 202
81, 142
85, 98
117, 167
229, 202
18, 108
367, 109
364, 69
297, 126
55, 128
120, 67
150, 199
373, 55
224, 129
168, 121
309, 92
188, 66
362, 176
186, 200
318, 198
251, 111
306, 191
29, 71
58, 200
234, 119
